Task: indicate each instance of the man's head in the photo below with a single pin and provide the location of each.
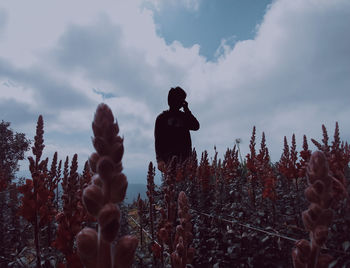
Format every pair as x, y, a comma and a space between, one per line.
176, 97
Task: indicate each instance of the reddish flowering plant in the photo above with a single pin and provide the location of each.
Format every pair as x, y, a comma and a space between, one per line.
322, 193
251, 157
204, 172
85, 179
214, 168
180, 173
230, 165
338, 155
71, 217
108, 187
183, 253
287, 165
51, 184
36, 195
140, 211
325, 148
265, 172
305, 155
150, 195
191, 165
283, 164
293, 169
252, 167
168, 214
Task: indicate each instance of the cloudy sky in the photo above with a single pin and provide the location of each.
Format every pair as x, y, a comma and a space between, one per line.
283, 66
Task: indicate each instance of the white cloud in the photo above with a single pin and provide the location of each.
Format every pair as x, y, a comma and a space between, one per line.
10, 91
191, 5
291, 78
3, 21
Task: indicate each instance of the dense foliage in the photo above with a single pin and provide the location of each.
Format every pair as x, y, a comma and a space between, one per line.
12, 149
208, 212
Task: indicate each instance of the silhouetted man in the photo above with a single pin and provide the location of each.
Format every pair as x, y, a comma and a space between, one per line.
172, 129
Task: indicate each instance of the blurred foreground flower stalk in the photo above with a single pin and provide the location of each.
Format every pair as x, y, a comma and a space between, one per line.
108, 187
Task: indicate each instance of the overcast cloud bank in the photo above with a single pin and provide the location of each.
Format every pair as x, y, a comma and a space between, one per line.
291, 78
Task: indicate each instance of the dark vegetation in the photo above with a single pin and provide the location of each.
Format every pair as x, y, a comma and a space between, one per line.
228, 212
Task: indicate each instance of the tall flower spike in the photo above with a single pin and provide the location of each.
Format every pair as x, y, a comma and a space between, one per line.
39, 139
34, 190
108, 187
150, 194
305, 155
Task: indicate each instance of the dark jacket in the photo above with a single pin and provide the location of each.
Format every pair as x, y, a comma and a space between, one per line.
172, 134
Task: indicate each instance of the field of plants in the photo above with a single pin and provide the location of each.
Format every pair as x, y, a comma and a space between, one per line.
215, 212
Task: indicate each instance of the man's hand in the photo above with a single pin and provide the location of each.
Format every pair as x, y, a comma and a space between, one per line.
185, 106
162, 166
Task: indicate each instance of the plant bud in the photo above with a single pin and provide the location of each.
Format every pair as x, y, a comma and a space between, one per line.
105, 168
311, 195
119, 185
110, 133
117, 152
317, 167
320, 235
180, 247
118, 167
303, 250
100, 146
96, 180
109, 221
190, 254
163, 235
308, 222
180, 230
87, 246
93, 161
98, 131
182, 199
125, 251
103, 115
176, 260
93, 199
324, 260
156, 249
59, 217
189, 236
